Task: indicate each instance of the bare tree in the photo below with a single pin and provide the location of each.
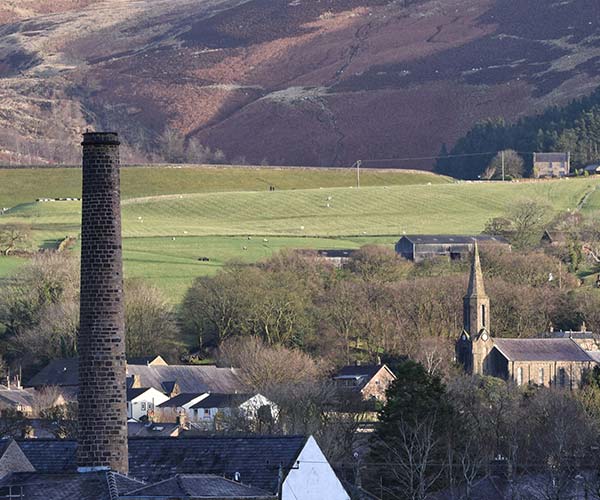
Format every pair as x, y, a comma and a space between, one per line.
13, 236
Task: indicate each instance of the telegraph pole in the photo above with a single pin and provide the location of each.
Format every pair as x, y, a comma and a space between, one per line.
357, 164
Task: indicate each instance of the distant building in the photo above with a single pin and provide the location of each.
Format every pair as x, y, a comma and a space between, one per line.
338, 257
551, 164
419, 247
370, 381
142, 401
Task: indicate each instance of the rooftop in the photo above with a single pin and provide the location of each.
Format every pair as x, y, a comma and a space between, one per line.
448, 239
223, 401
541, 350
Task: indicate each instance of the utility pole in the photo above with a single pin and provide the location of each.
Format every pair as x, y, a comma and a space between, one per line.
502, 152
357, 164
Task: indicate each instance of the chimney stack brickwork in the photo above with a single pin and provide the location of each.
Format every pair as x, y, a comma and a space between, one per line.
102, 433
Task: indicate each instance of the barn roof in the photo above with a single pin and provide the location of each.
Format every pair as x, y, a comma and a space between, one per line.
12, 397
541, 350
255, 458
180, 399
456, 239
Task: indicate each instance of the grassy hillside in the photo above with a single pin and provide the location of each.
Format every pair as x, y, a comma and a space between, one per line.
164, 236
27, 184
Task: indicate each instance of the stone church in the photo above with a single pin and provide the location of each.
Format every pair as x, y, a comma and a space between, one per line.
559, 361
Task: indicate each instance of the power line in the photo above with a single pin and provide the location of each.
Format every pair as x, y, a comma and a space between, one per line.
439, 157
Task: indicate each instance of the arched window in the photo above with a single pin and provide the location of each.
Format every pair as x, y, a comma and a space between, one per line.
561, 377
483, 321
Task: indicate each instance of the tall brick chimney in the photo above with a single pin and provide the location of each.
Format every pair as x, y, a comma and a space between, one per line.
102, 433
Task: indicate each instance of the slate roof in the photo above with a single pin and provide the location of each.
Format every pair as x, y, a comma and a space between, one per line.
551, 157
133, 393
255, 458
179, 400
541, 350
89, 486
595, 355
223, 401
336, 253
358, 371
448, 239
190, 378
145, 360
13, 397
199, 486
141, 429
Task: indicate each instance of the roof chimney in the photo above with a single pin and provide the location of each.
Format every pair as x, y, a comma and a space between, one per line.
102, 433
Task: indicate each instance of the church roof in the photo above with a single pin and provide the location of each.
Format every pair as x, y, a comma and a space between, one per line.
541, 350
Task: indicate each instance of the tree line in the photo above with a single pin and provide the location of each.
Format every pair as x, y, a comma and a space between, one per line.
574, 128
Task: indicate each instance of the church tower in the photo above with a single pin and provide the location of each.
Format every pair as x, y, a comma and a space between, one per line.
474, 345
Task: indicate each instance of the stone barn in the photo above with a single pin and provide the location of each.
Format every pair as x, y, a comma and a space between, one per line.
418, 247
551, 164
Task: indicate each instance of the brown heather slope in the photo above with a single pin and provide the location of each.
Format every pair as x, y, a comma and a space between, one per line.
302, 82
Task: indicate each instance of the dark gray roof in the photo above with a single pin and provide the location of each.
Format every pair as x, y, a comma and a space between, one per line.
449, 239
180, 400
541, 350
73, 486
133, 393
190, 378
358, 371
256, 458
223, 401
144, 360
551, 156
336, 253
199, 486
141, 429
63, 371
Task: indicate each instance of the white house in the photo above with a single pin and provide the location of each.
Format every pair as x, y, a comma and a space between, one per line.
247, 405
169, 410
142, 400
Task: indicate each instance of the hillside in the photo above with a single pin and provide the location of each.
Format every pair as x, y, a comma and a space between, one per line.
289, 83
165, 236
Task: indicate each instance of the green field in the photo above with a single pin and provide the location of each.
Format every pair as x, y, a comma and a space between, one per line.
165, 234
25, 185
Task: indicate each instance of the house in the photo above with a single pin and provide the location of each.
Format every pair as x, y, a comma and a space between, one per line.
551, 164
171, 409
142, 401
246, 405
338, 257
370, 381
147, 361
419, 247
293, 465
559, 362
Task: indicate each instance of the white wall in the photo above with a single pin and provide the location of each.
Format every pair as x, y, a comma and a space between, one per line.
148, 401
314, 479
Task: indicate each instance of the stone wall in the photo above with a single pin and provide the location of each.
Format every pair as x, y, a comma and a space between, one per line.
102, 434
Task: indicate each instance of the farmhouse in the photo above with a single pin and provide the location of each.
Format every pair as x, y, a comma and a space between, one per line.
370, 381
142, 401
418, 247
559, 362
551, 164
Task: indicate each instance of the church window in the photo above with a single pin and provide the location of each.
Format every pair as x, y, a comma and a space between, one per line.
483, 314
541, 376
520, 376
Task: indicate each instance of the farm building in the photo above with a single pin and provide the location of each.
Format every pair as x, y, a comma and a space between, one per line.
418, 247
551, 164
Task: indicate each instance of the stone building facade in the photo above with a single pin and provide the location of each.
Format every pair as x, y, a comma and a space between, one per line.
560, 362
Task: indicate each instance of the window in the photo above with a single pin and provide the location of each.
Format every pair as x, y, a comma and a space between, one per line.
483, 314
520, 376
143, 406
561, 377
206, 412
541, 376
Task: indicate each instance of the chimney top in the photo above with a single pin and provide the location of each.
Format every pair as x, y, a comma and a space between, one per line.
100, 138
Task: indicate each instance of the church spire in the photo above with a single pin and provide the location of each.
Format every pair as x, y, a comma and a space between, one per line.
476, 288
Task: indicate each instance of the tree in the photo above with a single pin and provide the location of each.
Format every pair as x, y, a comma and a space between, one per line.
262, 366
13, 236
514, 166
378, 263
150, 322
410, 437
61, 420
